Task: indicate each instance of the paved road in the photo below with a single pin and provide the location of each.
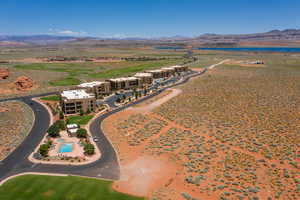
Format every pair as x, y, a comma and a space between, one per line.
106, 167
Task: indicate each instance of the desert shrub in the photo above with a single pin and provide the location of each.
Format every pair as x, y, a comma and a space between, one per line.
53, 130
81, 133
44, 149
89, 149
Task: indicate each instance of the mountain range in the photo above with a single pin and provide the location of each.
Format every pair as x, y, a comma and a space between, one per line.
277, 37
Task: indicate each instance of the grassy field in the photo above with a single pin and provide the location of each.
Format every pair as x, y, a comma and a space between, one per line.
38, 187
29, 61
81, 120
51, 98
67, 81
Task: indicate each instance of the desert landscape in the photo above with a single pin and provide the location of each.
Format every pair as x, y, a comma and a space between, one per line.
150, 100
19, 116
231, 134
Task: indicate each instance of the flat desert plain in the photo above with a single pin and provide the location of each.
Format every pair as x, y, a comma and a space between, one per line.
232, 133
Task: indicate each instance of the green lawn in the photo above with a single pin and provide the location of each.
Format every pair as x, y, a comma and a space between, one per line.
118, 72
39, 187
65, 82
51, 98
82, 120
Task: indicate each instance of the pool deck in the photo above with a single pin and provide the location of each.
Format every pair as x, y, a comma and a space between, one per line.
77, 151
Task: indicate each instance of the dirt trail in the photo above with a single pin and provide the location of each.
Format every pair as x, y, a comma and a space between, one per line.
157, 103
220, 63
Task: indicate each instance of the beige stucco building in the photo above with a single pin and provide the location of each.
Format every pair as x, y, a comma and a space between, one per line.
179, 68
157, 73
146, 78
99, 88
73, 101
168, 71
124, 83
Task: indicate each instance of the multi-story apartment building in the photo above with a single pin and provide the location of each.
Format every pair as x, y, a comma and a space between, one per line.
73, 101
124, 83
146, 78
99, 88
168, 71
158, 73
179, 68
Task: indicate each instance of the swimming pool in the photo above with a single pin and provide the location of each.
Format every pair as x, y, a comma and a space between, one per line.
65, 148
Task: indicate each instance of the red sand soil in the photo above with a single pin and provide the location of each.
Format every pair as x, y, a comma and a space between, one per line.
144, 174
21, 84
163, 176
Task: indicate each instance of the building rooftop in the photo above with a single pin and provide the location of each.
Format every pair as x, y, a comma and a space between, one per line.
76, 94
155, 71
71, 126
124, 79
91, 84
143, 75
176, 66
168, 68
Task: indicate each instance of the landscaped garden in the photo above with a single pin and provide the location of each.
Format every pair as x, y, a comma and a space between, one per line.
39, 187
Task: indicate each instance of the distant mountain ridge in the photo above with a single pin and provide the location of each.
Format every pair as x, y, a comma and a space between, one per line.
36, 39
275, 36
288, 34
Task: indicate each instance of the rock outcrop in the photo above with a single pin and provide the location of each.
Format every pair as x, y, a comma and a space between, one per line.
4, 73
23, 83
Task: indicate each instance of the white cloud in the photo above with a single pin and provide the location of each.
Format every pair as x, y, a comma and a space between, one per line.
67, 32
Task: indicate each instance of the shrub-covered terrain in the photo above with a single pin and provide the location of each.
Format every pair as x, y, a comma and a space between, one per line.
16, 120
234, 131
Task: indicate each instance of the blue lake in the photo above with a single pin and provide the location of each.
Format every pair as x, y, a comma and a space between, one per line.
258, 49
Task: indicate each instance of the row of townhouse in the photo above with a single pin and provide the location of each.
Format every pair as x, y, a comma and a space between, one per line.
84, 97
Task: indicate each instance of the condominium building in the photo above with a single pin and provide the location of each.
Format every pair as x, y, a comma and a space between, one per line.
99, 88
124, 83
158, 73
146, 78
73, 101
179, 68
168, 71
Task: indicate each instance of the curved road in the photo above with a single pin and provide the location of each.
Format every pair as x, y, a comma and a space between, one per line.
106, 167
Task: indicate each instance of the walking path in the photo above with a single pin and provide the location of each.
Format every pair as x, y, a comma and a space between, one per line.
151, 106
220, 63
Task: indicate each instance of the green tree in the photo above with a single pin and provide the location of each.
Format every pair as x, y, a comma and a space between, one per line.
81, 133
81, 112
60, 124
88, 111
53, 130
44, 149
61, 115
89, 149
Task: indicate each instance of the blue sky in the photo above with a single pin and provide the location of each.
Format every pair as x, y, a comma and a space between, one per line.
146, 18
